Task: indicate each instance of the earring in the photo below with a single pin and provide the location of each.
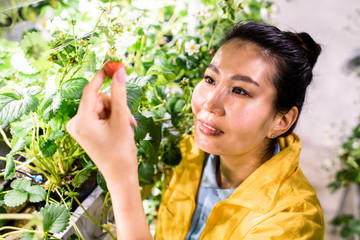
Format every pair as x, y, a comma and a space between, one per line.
273, 136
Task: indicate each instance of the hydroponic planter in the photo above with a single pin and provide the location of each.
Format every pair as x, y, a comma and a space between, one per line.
93, 204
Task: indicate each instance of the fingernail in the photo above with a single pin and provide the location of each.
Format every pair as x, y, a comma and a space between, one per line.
133, 121
120, 75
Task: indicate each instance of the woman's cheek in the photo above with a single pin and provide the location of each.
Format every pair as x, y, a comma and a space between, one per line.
196, 99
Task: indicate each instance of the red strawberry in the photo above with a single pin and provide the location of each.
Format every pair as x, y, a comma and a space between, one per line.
111, 67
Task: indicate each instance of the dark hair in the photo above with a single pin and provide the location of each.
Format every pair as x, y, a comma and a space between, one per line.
294, 55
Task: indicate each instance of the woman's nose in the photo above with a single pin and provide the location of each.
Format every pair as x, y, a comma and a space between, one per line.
215, 101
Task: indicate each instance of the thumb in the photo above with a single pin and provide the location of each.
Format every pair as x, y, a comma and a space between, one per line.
119, 106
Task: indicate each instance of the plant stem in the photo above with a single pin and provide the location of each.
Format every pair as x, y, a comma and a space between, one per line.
48, 193
17, 216
103, 207
213, 35
76, 50
91, 218
87, 46
162, 120
3, 134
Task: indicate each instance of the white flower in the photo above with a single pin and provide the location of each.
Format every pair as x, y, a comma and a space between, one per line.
179, 42
57, 24
246, 9
264, 13
356, 144
328, 164
21, 64
115, 11
191, 47
125, 41
204, 13
64, 14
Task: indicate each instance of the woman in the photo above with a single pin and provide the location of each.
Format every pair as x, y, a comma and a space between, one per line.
250, 185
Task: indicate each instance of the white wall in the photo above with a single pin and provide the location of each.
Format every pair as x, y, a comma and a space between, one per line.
332, 105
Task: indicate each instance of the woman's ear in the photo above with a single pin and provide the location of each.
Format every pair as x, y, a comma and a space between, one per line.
283, 122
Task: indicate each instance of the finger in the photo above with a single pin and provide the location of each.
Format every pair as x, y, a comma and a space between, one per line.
89, 97
103, 106
118, 97
132, 119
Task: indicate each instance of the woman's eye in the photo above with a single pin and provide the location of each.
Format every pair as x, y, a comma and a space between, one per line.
209, 80
239, 91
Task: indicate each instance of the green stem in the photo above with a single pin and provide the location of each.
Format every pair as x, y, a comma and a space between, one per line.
48, 193
19, 230
213, 35
103, 207
162, 120
76, 50
17, 216
74, 156
91, 218
3, 134
87, 46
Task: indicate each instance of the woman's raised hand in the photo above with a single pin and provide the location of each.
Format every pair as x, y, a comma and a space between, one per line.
103, 127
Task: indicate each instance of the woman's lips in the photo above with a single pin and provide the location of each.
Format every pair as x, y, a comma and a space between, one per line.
208, 128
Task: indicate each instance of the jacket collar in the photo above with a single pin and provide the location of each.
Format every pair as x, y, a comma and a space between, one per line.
259, 190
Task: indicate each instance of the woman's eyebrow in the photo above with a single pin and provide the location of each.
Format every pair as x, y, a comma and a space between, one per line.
236, 76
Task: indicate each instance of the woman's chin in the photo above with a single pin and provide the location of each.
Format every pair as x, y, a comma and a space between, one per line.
207, 144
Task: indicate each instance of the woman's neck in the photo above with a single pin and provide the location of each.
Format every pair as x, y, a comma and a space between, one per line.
231, 171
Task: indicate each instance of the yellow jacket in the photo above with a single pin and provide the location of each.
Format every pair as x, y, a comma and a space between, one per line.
275, 202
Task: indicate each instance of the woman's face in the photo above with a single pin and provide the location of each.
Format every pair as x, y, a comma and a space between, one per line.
232, 105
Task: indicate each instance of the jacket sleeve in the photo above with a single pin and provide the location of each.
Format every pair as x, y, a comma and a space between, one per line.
289, 225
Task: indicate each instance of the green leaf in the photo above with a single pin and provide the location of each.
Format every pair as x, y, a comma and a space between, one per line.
37, 193
156, 70
13, 107
147, 150
10, 167
134, 94
49, 106
158, 94
179, 105
101, 181
73, 88
154, 130
27, 236
57, 134
59, 122
15, 197
35, 48
83, 174
74, 237
47, 147
89, 64
33, 45
32, 90
19, 144
142, 81
141, 129
146, 172
2, 210
170, 103
56, 218
172, 155
20, 183
22, 128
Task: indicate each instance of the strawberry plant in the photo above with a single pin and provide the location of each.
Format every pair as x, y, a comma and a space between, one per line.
166, 50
